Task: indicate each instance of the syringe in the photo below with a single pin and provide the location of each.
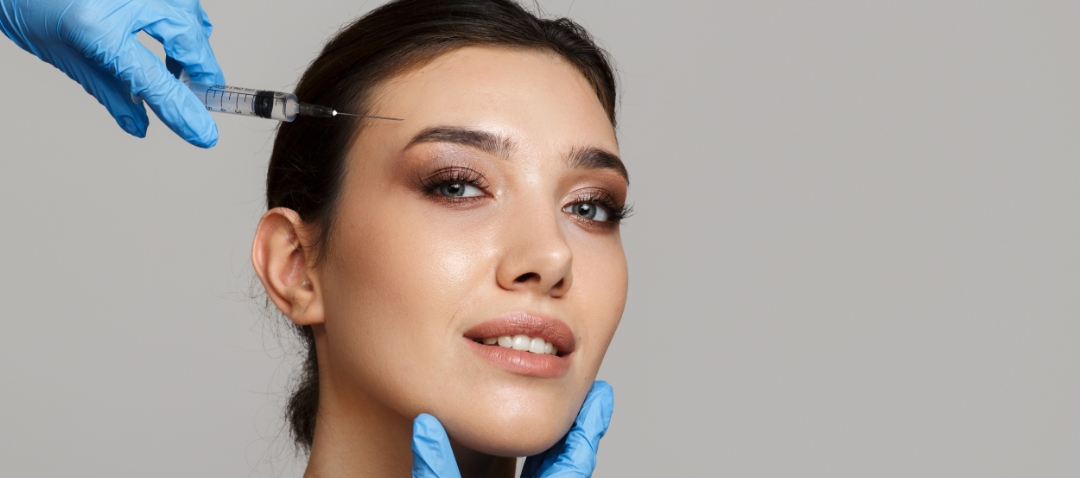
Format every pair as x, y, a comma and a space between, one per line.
261, 103
249, 102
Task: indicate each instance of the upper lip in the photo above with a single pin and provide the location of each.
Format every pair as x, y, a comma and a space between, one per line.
522, 323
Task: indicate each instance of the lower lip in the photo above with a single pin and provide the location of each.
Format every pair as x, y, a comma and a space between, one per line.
522, 362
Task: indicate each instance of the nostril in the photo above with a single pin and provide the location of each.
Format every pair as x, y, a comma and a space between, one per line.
527, 277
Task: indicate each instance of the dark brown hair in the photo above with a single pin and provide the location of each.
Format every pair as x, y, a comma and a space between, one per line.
308, 160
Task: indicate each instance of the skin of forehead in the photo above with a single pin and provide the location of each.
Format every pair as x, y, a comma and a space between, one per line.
455, 88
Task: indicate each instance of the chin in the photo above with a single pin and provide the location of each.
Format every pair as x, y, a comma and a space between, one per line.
522, 426
518, 438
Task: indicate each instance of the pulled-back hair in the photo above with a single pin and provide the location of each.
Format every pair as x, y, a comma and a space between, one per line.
308, 160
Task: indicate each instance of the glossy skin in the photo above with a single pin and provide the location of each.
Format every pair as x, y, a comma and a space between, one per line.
418, 256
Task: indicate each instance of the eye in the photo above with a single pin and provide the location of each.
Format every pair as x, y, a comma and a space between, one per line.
455, 184
458, 190
588, 210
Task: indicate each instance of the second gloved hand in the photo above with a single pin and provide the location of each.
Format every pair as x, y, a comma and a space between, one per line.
94, 43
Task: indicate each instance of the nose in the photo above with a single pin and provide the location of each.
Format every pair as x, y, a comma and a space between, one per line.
537, 259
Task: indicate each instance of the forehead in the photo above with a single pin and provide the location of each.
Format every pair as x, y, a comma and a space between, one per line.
535, 97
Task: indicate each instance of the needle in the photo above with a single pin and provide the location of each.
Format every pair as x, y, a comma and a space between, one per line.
369, 116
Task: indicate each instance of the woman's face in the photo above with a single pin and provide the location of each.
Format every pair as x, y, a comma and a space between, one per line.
490, 211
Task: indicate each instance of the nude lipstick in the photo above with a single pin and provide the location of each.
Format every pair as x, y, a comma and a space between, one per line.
525, 344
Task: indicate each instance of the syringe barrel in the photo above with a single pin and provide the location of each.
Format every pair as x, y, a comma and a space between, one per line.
246, 101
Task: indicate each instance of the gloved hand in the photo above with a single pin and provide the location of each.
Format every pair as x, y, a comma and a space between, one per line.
572, 457
94, 42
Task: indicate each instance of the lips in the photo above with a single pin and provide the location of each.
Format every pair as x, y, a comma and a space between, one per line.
525, 344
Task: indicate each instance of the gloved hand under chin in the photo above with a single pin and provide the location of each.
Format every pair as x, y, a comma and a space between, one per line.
572, 457
94, 42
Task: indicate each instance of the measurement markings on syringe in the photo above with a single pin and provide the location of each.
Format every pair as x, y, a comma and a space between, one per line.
259, 103
240, 103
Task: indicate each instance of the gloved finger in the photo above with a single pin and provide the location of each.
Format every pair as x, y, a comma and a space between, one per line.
114, 94
173, 102
208, 28
182, 31
195, 8
575, 456
591, 425
109, 91
432, 455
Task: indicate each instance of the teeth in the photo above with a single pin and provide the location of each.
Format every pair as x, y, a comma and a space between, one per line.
536, 346
522, 342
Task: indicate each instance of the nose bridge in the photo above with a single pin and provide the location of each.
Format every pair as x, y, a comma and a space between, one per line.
537, 256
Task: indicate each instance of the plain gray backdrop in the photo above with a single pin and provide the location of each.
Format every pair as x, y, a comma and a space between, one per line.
856, 250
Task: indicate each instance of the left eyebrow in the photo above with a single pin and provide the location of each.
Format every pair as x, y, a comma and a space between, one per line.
596, 158
497, 145
493, 144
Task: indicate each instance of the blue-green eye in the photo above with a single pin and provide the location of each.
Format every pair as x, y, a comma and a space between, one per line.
589, 211
458, 190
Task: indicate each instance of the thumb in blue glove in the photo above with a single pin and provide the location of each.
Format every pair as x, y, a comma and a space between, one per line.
432, 455
94, 42
575, 455
572, 457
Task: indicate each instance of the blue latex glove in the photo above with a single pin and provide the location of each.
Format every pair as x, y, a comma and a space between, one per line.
572, 457
94, 42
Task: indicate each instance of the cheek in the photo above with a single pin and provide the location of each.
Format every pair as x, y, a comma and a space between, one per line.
600, 286
398, 256
395, 281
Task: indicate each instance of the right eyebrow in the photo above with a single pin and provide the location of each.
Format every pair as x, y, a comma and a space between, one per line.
490, 143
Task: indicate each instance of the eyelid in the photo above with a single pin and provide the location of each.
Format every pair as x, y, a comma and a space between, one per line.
453, 173
432, 183
617, 210
598, 195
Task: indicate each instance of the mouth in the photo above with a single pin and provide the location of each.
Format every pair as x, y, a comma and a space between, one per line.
524, 344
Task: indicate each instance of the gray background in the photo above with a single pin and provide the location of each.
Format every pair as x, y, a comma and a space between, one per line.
855, 251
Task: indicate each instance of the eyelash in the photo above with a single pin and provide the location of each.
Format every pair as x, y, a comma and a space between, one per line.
459, 174
451, 175
617, 212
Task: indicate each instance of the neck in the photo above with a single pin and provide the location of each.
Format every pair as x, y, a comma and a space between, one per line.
474, 464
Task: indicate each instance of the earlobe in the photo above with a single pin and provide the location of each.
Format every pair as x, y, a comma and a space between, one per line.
281, 259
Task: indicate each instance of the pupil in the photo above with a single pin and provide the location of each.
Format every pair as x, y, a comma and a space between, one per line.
455, 189
586, 210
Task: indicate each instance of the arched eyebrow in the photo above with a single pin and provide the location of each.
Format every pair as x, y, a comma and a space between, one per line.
490, 143
497, 145
596, 158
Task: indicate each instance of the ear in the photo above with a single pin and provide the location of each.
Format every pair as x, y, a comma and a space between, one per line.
282, 260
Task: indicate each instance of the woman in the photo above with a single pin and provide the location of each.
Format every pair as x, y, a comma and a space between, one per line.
464, 263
